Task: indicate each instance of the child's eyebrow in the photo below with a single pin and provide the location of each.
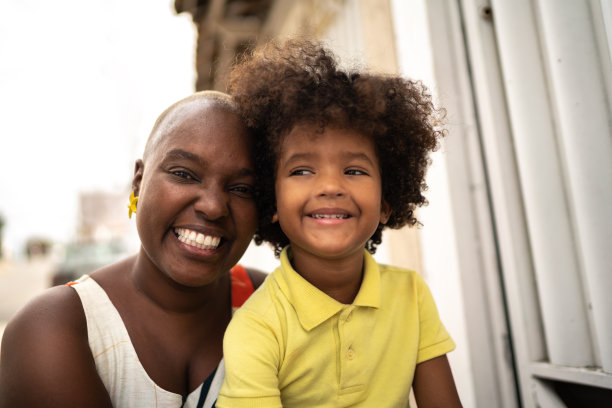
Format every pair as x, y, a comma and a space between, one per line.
300, 156
357, 156
344, 155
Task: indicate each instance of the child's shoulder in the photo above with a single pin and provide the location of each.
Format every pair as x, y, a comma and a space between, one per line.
396, 270
264, 302
397, 275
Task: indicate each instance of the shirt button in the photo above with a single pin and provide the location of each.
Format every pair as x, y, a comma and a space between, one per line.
349, 316
350, 354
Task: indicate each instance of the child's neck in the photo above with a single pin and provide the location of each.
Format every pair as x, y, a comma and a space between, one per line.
340, 279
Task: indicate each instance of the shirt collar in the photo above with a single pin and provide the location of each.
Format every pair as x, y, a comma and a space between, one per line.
313, 306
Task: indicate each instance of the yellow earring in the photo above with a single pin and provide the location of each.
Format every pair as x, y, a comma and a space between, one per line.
132, 205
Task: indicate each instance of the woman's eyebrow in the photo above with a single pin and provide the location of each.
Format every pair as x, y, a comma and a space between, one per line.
245, 172
180, 154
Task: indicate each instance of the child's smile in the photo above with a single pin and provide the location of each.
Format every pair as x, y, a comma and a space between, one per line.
328, 192
329, 215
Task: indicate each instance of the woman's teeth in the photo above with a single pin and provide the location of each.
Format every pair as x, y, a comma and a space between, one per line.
197, 239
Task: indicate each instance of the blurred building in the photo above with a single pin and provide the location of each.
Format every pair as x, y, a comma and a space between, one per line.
1, 234
225, 29
104, 235
103, 216
518, 236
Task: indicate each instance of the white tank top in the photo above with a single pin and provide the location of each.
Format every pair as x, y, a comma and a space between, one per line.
126, 380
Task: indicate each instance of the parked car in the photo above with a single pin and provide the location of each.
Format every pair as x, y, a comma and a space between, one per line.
83, 258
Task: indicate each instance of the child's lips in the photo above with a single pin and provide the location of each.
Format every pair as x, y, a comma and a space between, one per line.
329, 214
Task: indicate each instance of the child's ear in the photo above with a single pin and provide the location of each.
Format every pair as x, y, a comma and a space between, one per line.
385, 212
275, 217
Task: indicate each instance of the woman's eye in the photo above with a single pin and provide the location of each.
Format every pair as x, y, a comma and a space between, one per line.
243, 191
182, 174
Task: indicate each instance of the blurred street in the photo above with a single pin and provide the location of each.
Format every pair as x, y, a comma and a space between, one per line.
20, 281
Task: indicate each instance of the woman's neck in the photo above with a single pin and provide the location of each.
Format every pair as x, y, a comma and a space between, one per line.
173, 297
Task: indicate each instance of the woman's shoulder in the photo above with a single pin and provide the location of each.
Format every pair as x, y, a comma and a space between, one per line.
57, 309
46, 352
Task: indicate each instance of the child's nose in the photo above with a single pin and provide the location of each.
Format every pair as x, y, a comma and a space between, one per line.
331, 186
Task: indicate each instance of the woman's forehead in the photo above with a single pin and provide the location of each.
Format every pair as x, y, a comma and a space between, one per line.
207, 124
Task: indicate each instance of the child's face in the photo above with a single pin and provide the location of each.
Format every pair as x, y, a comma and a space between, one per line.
328, 192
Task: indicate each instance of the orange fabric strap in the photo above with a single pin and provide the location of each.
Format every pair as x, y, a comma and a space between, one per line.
242, 287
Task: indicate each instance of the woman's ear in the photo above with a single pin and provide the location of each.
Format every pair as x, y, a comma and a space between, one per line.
275, 217
138, 171
385, 212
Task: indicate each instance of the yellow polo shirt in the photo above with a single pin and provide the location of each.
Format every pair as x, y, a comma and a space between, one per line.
291, 345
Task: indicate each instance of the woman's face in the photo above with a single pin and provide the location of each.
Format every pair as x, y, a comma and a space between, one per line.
196, 212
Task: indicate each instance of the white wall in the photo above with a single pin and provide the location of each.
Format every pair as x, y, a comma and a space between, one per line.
440, 264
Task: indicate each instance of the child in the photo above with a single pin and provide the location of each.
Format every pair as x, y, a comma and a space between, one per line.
340, 157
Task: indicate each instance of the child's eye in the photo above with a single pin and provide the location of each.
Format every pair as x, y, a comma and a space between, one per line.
355, 172
244, 191
301, 172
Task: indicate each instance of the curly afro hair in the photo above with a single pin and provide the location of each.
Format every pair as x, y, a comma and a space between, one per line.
299, 82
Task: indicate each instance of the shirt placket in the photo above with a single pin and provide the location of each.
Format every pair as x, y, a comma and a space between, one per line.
350, 357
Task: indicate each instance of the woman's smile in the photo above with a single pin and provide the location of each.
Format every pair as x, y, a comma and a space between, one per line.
196, 212
197, 239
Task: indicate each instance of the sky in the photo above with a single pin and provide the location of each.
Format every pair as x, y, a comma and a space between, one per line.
81, 84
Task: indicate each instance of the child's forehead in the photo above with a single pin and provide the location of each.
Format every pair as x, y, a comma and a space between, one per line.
312, 132
309, 137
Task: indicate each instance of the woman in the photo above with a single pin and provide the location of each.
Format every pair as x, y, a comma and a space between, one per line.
148, 331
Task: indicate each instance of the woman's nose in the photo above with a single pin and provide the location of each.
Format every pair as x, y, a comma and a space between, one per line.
212, 203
